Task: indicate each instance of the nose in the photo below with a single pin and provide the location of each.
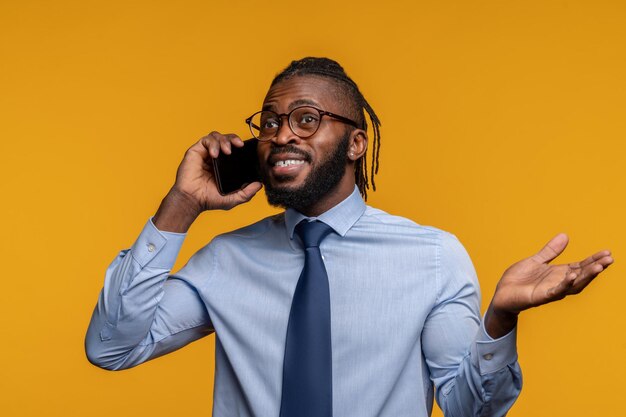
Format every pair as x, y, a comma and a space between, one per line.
285, 135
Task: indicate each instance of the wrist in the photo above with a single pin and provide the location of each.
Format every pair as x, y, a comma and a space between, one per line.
177, 212
499, 322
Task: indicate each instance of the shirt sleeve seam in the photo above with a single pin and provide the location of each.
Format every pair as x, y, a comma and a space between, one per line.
438, 269
154, 342
211, 273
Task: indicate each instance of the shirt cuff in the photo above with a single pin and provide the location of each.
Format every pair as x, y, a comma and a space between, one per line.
490, 355
157, 248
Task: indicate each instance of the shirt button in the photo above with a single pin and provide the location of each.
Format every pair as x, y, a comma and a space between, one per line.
151, 247
488, 356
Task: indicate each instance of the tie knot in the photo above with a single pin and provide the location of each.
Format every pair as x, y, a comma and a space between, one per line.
312, 233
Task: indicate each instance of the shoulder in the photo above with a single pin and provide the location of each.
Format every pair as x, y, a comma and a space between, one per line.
264, 233
226, 249
445, 244
389, 223
264, 227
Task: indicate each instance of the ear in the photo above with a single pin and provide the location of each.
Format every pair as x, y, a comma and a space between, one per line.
358, 144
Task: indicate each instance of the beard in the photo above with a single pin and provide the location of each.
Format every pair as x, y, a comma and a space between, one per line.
318, 183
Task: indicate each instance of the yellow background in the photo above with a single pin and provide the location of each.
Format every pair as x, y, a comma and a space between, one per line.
503, 122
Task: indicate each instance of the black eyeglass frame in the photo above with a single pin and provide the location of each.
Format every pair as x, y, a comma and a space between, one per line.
322, 113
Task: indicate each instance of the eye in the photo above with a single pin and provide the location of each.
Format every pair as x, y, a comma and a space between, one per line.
270, 124
269, 121
308, 118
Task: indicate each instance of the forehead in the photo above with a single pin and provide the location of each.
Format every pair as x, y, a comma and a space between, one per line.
302, 90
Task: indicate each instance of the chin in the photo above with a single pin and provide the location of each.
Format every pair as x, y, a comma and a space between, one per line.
285, 180
307, 188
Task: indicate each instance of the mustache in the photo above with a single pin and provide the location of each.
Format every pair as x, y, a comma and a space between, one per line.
291, 149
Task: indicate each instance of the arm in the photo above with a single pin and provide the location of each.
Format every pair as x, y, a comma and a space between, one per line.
484, 378
141, 314
474, 375
532, 282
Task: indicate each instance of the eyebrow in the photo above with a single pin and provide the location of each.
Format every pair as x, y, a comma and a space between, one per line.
294, 104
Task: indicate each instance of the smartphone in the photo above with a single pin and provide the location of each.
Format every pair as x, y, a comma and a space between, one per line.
239, 168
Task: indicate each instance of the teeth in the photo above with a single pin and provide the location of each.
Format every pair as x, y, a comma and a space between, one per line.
289, 162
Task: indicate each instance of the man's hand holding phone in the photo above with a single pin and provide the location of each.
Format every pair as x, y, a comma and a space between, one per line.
196, 189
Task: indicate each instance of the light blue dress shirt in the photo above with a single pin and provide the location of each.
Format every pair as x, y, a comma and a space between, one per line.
404, 315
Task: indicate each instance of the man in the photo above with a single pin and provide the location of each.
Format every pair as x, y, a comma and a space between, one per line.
361, 320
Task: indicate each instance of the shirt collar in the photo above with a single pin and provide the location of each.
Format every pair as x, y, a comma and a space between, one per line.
341, 217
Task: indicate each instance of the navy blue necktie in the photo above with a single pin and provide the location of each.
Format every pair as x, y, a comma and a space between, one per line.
307, 368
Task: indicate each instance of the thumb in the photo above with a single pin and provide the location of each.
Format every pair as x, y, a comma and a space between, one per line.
553, 248
245, 194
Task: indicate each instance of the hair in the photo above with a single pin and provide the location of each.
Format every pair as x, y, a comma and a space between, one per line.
357, 105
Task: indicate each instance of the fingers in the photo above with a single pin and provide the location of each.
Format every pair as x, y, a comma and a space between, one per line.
215, 142
591, 270
577, 278
593, 258
553, 248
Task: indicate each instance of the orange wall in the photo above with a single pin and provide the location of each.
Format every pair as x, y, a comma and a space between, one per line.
503, 122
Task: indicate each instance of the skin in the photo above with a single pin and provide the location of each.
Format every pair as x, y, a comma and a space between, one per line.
317, 92
528, 283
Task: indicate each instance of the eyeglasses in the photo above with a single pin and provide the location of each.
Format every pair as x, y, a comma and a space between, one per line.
303, 121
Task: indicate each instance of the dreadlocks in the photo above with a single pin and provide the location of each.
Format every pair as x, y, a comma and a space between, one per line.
325, 67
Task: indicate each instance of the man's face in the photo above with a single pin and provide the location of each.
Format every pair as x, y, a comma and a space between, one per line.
318, 164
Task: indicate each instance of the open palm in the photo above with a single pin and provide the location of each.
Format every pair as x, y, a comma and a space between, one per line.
532, 282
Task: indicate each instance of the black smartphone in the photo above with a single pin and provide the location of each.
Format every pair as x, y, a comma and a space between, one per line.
239, 168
